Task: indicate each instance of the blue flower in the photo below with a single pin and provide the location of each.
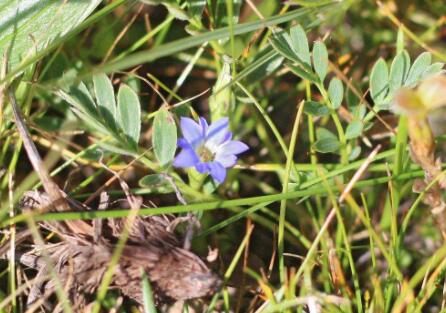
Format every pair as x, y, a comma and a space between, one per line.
208, 148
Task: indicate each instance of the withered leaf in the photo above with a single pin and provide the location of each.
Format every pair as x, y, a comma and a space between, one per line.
81, 260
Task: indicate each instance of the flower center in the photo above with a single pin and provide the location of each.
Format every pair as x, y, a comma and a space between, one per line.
205, 154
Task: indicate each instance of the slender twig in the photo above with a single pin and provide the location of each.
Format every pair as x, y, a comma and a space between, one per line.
57, 198
50, 187
121, 34
191, 216
384, 10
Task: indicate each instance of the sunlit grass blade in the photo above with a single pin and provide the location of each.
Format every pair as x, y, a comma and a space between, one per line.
190, 42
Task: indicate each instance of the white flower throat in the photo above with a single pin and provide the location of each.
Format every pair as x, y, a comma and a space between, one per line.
205, 154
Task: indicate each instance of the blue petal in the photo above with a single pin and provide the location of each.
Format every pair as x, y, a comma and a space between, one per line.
192, 132
218, 172
202, 167
182, 143
204, 126
227, 160
186, 158
227, 137
233, 147
217, 133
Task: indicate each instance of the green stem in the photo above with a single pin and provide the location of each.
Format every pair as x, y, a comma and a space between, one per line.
337, 122
286, 179
269, 122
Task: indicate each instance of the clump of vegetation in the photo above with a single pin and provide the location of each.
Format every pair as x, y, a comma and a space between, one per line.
222, 156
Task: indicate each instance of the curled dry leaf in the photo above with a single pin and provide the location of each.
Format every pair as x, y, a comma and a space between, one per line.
81, 259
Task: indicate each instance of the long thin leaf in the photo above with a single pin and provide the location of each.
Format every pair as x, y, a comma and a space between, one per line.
189, 42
